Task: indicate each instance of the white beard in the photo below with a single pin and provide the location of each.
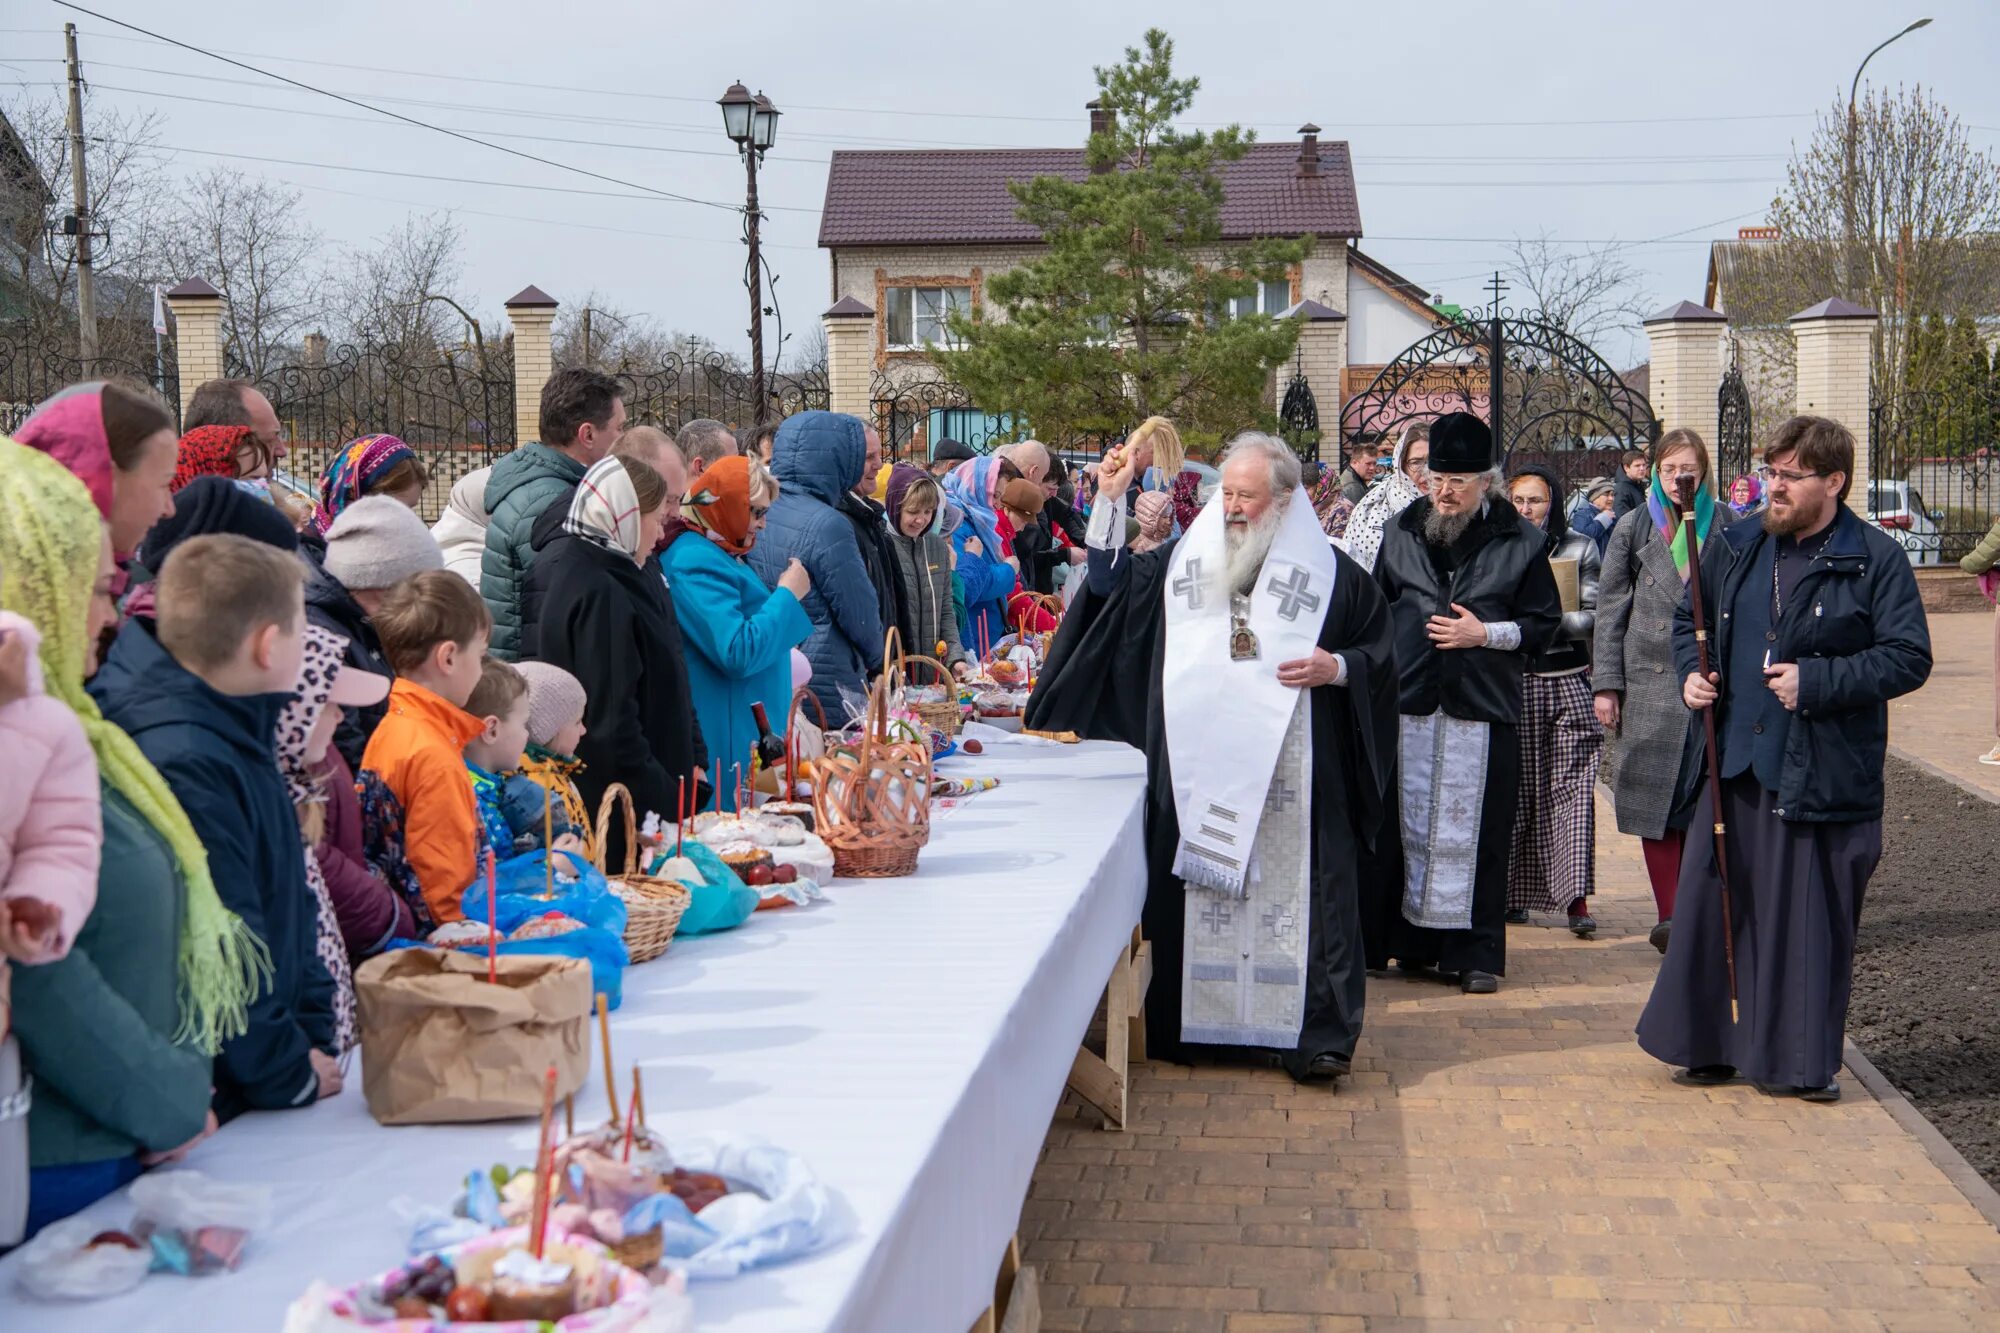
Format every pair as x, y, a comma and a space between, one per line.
1247, 544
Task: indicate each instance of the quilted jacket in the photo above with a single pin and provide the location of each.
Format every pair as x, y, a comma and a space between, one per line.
522, 485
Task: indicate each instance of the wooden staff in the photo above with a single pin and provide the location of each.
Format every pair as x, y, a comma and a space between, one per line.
1684, 488
638, 1098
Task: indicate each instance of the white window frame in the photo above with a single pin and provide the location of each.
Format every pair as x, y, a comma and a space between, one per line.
1263, 297
917, 317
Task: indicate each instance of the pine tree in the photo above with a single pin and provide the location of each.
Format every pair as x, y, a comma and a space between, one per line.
1123, 314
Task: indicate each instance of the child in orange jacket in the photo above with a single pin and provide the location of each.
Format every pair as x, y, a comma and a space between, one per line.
434, 631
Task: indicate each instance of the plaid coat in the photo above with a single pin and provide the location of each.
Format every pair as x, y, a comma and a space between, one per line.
1637, 595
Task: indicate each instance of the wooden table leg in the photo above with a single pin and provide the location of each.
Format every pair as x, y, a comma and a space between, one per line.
1017, 1297
1105, 1081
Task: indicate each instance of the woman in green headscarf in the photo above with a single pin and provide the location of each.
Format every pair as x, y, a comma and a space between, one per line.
120, 1034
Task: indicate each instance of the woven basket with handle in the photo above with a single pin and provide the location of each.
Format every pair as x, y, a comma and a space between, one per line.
945, 716
872, 796
653, 906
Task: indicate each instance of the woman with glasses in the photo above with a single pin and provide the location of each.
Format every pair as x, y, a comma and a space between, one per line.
1638, 693
739, 634
1403, 487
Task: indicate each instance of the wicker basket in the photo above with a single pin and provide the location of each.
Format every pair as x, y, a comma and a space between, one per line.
872, 797
641, 1253
653, 906
946, 716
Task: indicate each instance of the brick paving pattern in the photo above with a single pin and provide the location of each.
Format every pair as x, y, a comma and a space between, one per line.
1510, 1161
1949, 722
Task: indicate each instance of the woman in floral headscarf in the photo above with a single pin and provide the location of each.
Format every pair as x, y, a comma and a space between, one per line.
739, 633
371, 465
122, 1032
229, 452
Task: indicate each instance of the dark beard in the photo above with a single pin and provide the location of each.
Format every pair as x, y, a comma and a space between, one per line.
1795, 524
1441, 529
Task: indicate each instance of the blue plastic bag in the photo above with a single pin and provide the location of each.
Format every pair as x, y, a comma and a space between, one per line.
520, 881
721, 900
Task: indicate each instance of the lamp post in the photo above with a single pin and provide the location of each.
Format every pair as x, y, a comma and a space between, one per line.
752, 125
1850, 167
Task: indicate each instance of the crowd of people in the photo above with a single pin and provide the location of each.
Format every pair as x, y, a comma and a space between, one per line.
260, 737
258, 740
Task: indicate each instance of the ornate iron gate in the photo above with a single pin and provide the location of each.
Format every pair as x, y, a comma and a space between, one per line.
456, 411
1547, 395
31, 372
1936, 476
1298, 416
1733, 426
909, 404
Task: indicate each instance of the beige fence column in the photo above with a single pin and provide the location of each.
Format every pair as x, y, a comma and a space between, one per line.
850, 361
1686, 373
197, 311
1835, 340
1322, 355
532, 312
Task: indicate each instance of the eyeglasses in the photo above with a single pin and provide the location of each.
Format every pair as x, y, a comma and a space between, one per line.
1675, 471
1455, 481
1773, 474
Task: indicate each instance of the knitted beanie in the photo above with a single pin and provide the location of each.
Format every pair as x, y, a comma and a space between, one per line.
555, 700
377, 542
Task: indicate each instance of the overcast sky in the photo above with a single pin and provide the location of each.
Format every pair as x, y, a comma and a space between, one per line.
1470, 124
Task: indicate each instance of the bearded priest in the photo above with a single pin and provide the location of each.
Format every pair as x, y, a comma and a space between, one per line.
1251, 661
1472, 598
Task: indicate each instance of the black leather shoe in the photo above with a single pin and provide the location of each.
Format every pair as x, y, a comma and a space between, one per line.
1706, 1076
1517, 916
1583, 925
1829, 1093
1324, 1068
1657, 937
1478, 983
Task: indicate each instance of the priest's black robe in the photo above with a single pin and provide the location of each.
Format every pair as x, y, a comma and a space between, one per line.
1103, 681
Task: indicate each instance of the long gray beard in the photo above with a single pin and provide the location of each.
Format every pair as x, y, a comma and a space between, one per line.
1442, 529
1246, 546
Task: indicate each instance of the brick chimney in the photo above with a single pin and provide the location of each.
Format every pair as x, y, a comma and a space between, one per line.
1102, 121
1308, 150
314, 353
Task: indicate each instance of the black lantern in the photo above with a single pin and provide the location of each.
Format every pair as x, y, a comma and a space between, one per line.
763, 123
737, 105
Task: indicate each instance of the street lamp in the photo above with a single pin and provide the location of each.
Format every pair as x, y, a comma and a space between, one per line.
752, 125
1849, 173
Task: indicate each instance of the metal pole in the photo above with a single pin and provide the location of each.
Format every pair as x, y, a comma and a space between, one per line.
86, 286
756, 296
1850, 168
1496, 382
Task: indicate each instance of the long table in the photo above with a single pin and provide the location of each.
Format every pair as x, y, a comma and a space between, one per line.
909, 1038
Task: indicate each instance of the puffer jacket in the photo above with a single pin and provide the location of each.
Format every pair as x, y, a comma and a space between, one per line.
330, 606
1498, 572
460, 532
818, 458
522, 485
739, 637
923, 564
1570, 648
1855, 626
49, 829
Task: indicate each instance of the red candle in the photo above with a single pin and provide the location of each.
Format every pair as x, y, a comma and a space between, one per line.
631, 1119
715, 789
680, 812
492, 923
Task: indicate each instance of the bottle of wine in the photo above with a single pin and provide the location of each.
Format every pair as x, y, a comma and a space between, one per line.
770, 750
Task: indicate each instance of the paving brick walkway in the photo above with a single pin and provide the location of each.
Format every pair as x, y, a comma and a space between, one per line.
1511, 1161
1949, 722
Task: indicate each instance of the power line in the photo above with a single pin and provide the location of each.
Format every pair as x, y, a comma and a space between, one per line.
351, 101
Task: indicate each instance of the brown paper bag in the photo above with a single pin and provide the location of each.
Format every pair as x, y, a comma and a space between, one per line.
1566, 583
439, 1043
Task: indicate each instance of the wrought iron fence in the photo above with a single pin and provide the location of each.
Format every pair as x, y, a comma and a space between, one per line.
454, 407
1733, 428
688, 388
914, 408
1935, 459
31, 371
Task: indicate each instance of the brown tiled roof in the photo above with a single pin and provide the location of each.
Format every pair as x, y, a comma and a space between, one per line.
959, 196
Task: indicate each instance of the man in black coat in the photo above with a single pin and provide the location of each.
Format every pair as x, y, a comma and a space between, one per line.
1816, 624
871, 534
1472, 599
1630, 493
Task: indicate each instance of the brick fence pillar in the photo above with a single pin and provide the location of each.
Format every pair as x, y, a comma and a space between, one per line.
850, 356
532, 312
197, 311
1835, 360
1686, 373
1322, 355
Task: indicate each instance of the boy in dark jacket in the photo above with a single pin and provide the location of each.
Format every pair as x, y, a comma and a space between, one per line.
201, 694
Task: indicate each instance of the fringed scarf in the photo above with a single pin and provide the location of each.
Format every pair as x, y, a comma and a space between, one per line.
1667, 519
50, 537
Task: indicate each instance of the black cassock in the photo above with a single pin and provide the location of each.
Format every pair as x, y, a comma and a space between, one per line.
1102, 681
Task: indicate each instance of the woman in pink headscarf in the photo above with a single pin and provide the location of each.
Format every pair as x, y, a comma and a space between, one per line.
118, 438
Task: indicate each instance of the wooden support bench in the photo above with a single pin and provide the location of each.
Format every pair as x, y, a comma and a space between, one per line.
1017, 1299
1104, 1081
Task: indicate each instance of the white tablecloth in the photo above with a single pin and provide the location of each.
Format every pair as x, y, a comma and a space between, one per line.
909, 1038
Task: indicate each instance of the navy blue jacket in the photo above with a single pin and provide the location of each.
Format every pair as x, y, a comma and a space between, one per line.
818, 458
218, 752
1856, 628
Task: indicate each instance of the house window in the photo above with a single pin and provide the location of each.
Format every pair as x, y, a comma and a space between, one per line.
1270, 298
918, 315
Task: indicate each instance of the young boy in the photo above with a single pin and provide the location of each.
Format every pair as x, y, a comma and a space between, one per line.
510, 815
555, 728
434, 630
200, 692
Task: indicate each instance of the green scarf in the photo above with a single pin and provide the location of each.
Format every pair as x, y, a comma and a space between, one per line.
1666, 517
50, 539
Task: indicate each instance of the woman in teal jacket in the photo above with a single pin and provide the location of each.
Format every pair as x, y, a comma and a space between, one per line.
740, 634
